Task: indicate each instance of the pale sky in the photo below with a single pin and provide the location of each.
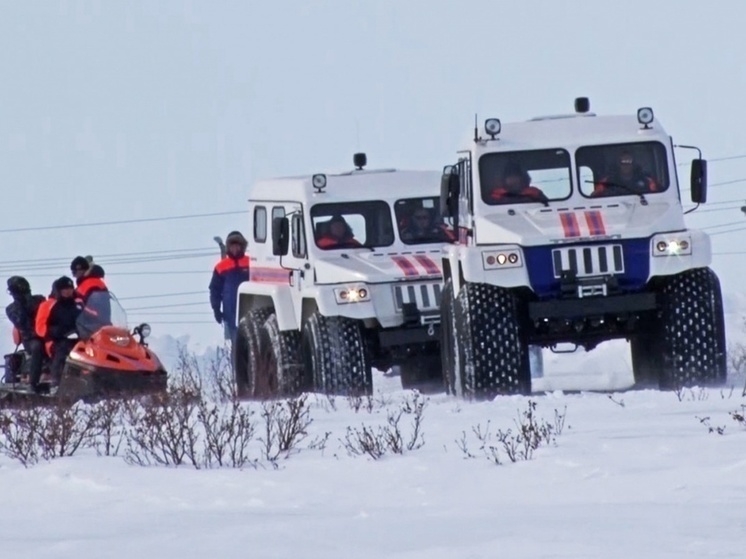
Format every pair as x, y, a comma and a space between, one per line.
140, 109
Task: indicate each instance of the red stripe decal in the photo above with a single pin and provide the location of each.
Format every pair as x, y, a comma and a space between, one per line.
269, 275
570, 224
427, 263
595, 223
405, 265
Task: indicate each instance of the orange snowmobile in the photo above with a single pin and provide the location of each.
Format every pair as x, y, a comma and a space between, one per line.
107, 359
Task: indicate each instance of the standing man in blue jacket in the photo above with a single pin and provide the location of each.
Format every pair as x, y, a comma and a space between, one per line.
228, 274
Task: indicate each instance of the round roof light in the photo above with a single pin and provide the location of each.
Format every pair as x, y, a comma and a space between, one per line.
318, 181
492, 127
645, 115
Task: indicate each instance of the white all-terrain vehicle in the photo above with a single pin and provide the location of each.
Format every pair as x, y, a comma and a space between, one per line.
571, 231
344, 276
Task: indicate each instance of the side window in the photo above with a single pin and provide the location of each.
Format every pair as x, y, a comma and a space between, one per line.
260, 224
278, 211
297, 237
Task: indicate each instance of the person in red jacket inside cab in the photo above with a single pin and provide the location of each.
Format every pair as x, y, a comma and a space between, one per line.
515, 187
88, 277
55, 321
626, 178
228, 274
338, 234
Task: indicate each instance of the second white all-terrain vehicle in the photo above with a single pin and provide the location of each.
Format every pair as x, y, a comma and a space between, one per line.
344, 276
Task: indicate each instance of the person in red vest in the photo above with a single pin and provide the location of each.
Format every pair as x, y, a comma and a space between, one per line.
88, 277
55, 321
338, 234
515, 187
626, 178
227, 275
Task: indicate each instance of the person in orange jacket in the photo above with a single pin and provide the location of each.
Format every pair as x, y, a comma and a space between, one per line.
338, 234
55, 321
515, 187
626, 178
88, 277
227, 275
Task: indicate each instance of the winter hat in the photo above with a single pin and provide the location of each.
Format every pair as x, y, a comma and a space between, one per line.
236, 237
79, 262
18, 285
61, 283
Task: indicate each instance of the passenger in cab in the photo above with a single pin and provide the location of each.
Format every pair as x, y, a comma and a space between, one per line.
421, 228
56, 321
515, 187
338, 234
22, 314
626, 178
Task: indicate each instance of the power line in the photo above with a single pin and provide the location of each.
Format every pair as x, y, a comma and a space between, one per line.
172, 306
119, 222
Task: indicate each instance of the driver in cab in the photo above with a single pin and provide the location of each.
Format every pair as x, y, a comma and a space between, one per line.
515, 187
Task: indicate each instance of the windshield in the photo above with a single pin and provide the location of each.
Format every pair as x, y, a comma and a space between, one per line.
622, 169
101, 309
352, 225
420, 222
521, 177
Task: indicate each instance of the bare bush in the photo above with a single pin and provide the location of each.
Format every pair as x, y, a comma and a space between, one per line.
227, 434
19, 430
211, 377
285, 426
720, 430
66, 429
378, 441
109, 426
531, 432
163, 431
739, 416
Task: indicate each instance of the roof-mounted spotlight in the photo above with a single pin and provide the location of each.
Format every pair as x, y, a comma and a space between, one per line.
359, 160
319, 182
582, 105
645, 116
492, 127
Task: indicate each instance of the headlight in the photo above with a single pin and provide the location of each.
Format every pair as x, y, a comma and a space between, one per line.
143, 330
121, 341
499, 259
672, 246
352, 294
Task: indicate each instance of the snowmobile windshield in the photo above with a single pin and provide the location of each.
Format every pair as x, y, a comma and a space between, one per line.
101, 309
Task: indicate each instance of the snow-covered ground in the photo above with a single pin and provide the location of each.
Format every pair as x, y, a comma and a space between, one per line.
632, 474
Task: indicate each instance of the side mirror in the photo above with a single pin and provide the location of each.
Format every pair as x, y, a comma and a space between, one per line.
280, 236
699, 181
450, 189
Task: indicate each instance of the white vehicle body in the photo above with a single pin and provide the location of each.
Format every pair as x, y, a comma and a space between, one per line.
393, 288
577, 219
571, 230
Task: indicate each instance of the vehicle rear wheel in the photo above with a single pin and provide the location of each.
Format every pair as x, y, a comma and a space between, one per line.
249, 353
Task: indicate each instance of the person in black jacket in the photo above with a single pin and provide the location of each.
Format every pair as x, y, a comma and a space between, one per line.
56, 322
22, 314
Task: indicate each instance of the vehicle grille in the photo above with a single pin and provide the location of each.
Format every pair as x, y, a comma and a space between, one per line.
425, 295
588, 261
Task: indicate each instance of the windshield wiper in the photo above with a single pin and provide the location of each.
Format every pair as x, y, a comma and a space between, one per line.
527, 199
629, 189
